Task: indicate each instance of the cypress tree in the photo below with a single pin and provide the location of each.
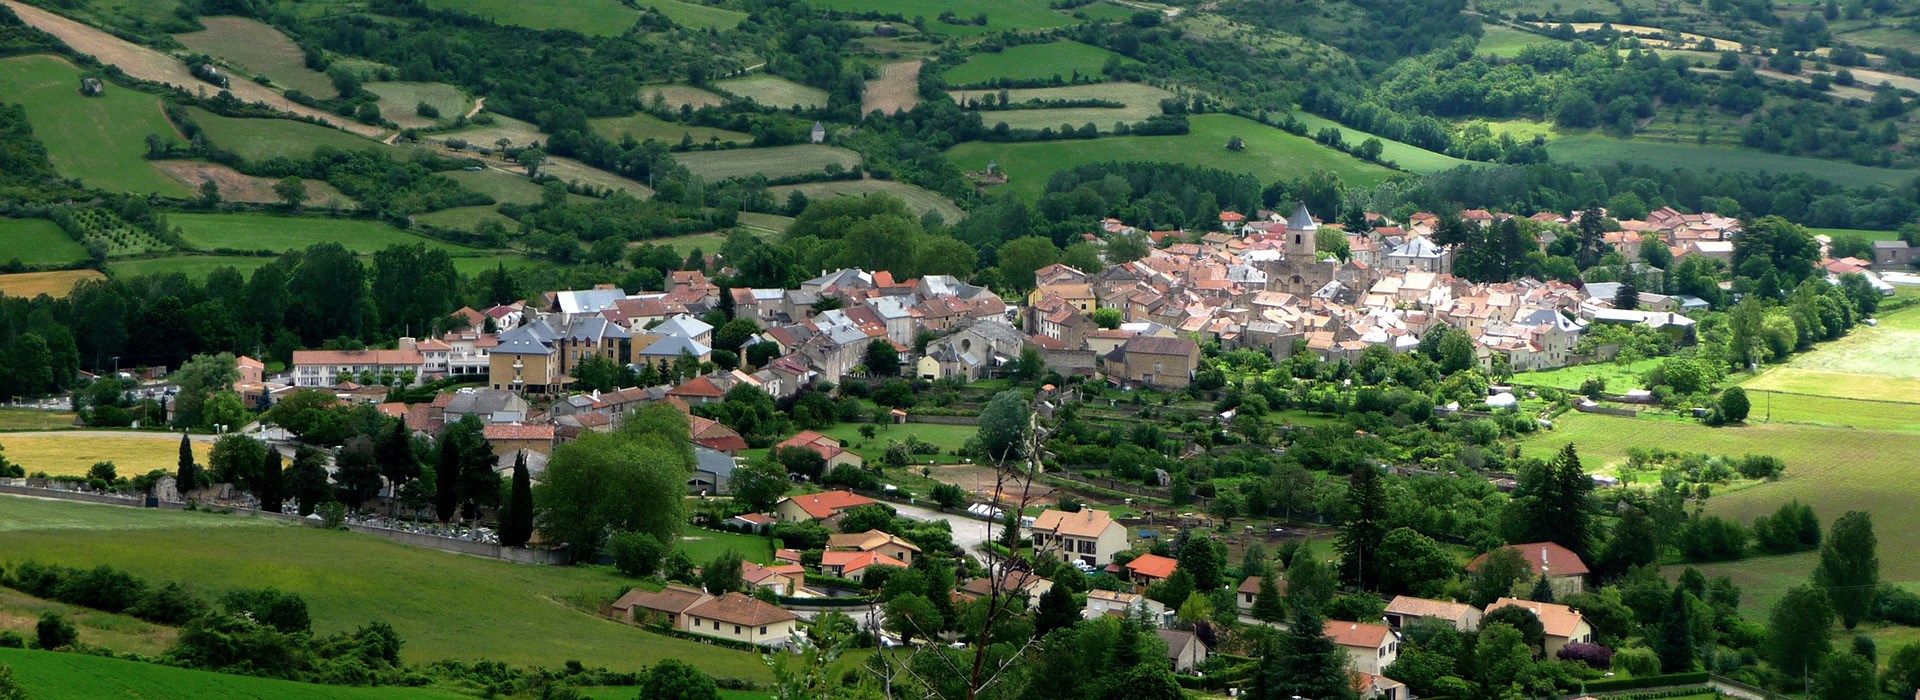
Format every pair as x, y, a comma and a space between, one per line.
1542, 591
1849, 567
1675, 641
187, 478
272, 493
516, 526
1268, 606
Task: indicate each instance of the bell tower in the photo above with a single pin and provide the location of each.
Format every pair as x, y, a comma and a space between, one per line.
1301, 229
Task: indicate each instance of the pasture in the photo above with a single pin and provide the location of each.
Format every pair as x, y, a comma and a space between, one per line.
1871, 362
236, 186
642, 126
1593, 149
1142, 101
504, 187
777, 161
1001, 14
569, 170
919, 199
694, 15
1619, 378
897, 88
99, 140
19, 612
1833, 411
1408, 156
589, 17
774, 91
37, 242
47, 675
193, 266
676, 95
763, 224
464, 218
446, 606
32, 419
258, 49
513, 131
947, 437
1270, 153
33, 284
400, 102
1506, 42
282, 233
1059, 59
62, 454
1868, 234
262, 139
702, 545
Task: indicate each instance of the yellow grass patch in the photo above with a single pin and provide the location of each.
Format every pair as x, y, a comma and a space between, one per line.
70, 454
33, 284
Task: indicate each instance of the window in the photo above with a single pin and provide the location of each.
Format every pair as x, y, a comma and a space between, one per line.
736, 629
763, 630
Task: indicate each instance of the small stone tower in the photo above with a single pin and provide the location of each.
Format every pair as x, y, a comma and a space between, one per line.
1301, 229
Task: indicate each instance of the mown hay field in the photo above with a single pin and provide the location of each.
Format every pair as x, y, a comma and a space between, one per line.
56, 284
281, 233
258, 49
919, 199
774, 91
262, 139
778, 161
642, 126
71, 454
400, 102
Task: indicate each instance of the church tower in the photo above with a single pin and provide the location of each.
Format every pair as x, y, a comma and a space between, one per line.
1300, 243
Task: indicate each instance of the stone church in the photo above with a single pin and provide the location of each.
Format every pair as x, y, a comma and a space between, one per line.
1295, 266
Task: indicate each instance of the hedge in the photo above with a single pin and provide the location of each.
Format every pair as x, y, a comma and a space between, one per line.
1694, 678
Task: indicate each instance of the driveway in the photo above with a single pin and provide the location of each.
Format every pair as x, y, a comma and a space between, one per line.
968, 533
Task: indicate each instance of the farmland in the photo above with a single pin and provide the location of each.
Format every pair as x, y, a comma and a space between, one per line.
32, 419
100, 140
47, 675
918, 199
280, 233
1060, 59
400, 102
463, 218
676, 95
193, 266
590, 17
774, 91
1592, 149
1412, 158
32, 284
1506, 42
778, 161
236, 186
896, 89
1000, 14
1269, 151
37, 242
642, 126
1142, 101
1619, 378
444, 605
258, 49
261, 139
70, 455
695, 15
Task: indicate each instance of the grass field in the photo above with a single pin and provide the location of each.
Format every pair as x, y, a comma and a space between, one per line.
702, 545
1868, 234
947, 437
765, 223
400, 102
506, 187
1408, 156
1506, 42
193, 266
261, 139
60, 454
919, 199
778, 161
1871, 362
30, 419
1142, 101
37, 242
590, 17
464, 218
516, 132
676, 95
1061, 59
47, 675
1592, 149
1619, 378
1832, 411
19, 612
1270, 153
642, 126
1001, 14
100, 140
444, 605
258, 49
33, 284
774, 91
279, 233
695, 15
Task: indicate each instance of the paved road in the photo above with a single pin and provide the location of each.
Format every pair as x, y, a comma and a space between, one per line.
968, 533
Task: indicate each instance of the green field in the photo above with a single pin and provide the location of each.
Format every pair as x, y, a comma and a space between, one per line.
1871, 362
642, 126
19, 612
676, 95
37, 242
774, 91
590, 17
1408, 156
1834, 412
33, 419
919, 199
1001, 14
695, 15
1861, 232
258, 49
194, 266
947, 437
702, 545
1270, 154
1591, 149
279, 233
505, 187
778, 161
261, 139
444, 605
1061, 59
47, 675
1619, 378
1506, 42
400, 102
765, 223
100, 140
1142, 101
464, 218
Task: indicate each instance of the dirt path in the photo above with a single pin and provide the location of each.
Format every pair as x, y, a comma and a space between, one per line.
479, 103
897, 88
148, 64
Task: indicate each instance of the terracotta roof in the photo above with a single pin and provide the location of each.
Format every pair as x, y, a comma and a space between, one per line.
1086, 523
244, 361
739, 609
1364, 635
1559, 620
1152, 566
1543, 558
698, 386
788, 555
849, 562
824, 505
1252, 585
1158, 345
673, 599
1425, 607
357, 357
869, 540
519, 431
1010, 582
756, 518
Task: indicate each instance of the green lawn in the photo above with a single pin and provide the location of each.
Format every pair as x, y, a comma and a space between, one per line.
31, 419
100, 140
1270, 154
695, 15
1868, 234
446, 606
947, 437
278, 233
1619, 378
46, 675
1407, 156
642, 126
1001, 14
37, 242
1062, 59
590, 17
774, 91
194, 266
261, 139
777, 161
259, 49
1593, 149
702, 545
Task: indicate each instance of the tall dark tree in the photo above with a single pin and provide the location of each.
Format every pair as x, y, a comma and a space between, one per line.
356, 471
306, 480
273, 490
1365, 527
1674, 640
1849, 567
1798, 629
516, 525
1627, 297
1056, 610
1554, 503
394, 450
1206, 560
1635, 541
1311, 665
187, 476
446, 481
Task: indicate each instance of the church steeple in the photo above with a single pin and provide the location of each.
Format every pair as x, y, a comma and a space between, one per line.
1301, 229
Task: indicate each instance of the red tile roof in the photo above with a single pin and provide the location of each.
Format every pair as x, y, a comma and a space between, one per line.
1152, 566
1544, 558
1357, 634
824, 505
698, 386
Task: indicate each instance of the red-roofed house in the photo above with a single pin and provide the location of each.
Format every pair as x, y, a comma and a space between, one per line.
828, 448
818, 506
1149, 569
854, 565
698, 391
1564, 570
508, 438
1370, 647
1563, 625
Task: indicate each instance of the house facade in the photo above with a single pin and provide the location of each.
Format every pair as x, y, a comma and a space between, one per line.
742, 618
1089, 536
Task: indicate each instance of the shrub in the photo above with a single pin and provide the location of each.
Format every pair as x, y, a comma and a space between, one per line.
286, 612
1766, 467
1592, 655
12, 640
54, 632
1639, 661
170, 604
636, 553
102, 588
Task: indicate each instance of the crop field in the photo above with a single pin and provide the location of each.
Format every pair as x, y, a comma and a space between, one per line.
1591, 149
258, 49
694, 15
1882, 37
473, 265
676, 95
47, 675
193, 266
516, 132
1142, 101
763, 224
569, 170
464, 218
919, 199
1001, 14
19, 612
33, 284
1270, 152
1408, 156
642, 126
1833, 411
261, 139
1506, 42
60, 454
31, 419
1619, 378
37, 242
702, 545
504, 187
1062, 59
589, 17
1871, 362
100, 140
778, 161
400, 102
446, 606
774, 91
279, 233
897, 88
